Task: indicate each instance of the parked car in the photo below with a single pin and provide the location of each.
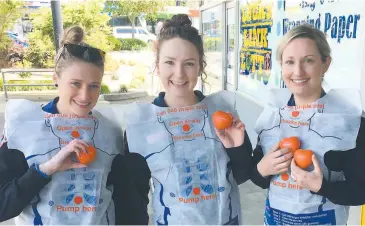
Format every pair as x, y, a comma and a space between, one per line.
139, 33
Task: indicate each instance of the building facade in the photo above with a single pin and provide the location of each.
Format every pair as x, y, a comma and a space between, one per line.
241, 37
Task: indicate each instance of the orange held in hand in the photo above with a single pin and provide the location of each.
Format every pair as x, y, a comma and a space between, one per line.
303, 158
87, 157
293, 143
222, 120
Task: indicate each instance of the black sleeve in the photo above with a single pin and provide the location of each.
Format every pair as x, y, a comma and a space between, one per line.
256, 178
19, 184
351, 191
241, 160
131, 178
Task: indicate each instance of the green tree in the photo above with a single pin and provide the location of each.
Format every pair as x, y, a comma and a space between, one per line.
134, 8
10, 11
41, 51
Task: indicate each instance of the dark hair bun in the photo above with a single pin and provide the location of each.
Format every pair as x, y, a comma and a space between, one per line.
73, 35
177, 21
182, 20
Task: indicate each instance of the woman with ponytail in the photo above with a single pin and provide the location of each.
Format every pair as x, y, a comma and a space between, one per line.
60, 163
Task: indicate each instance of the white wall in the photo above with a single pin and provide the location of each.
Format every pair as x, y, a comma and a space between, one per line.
248, 110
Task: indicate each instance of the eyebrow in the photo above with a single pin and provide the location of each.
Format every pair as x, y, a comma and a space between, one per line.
172, 58
77, 80
291, 57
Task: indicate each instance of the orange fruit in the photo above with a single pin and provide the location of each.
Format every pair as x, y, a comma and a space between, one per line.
303, 158
87, 157
222, 120
75, 134
292, 143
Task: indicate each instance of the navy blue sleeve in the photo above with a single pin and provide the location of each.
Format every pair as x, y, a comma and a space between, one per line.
19, 184
131, 180
349, 192
241, 160
256, 177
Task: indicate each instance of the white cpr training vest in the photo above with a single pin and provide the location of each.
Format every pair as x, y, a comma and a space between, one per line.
192, 180
76, 196
330, 123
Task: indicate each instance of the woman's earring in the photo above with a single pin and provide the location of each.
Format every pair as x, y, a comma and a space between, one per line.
56, 85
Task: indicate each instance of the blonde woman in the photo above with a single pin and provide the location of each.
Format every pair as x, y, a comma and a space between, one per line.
328, 124
42, 182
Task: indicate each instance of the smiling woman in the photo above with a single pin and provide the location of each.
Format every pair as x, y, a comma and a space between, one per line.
200, 175
304, 60
79, 72
63, 165
314, 175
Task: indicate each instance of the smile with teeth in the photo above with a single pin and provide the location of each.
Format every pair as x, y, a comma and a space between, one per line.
176, 83
82, 104
300, 81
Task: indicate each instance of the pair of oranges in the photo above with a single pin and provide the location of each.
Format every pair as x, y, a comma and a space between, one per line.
302, 157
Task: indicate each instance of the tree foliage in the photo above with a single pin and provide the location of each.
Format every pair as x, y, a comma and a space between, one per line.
88, 15
134, 8
10, 11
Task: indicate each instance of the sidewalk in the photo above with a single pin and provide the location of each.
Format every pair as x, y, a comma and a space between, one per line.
252, 197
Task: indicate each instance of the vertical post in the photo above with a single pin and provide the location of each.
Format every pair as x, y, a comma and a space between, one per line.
57, 22
4, 85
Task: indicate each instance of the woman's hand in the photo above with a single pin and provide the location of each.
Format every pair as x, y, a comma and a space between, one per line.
234, 136
311, 180
276, 161
62, 160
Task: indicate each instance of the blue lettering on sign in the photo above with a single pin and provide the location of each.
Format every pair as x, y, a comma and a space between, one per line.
277, 217
337, 27
290, 24
305, 4
341, 26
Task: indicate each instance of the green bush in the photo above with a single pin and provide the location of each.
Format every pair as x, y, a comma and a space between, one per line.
29, 88
1, 85
123, 61
111, 64
25, 74
40, 52
132, 44
137, 82
212, 44
104, 89
114, 43
115, 77
123, 88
